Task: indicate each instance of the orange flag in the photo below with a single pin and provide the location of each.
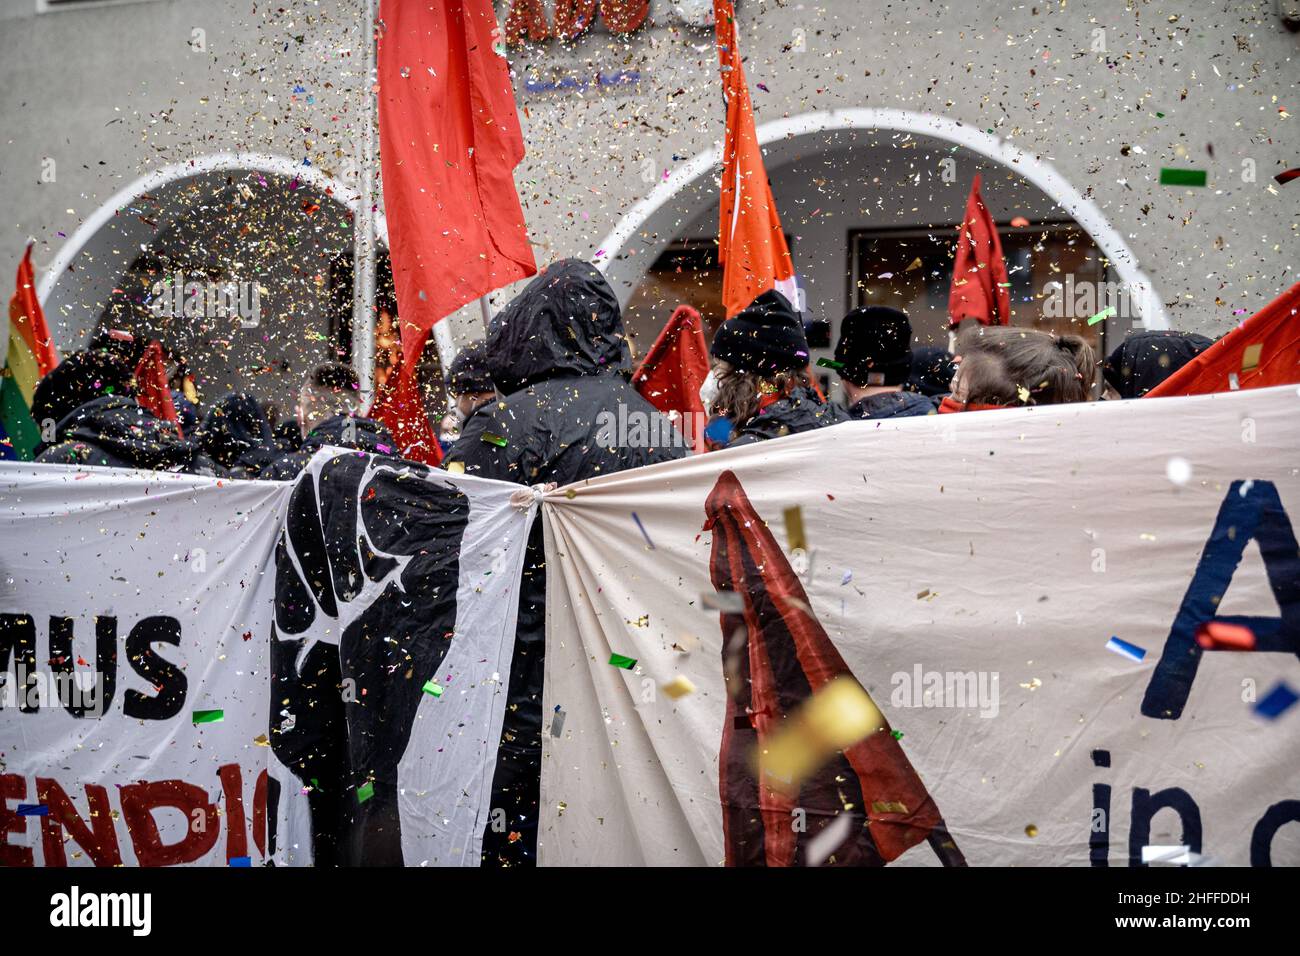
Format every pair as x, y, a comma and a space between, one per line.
1262, 351
673, 371
151, 389
980, 287
751, 245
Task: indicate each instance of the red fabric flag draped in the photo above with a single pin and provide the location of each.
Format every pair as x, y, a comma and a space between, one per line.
449, 141
27, 319
151, 389
1262, 351
751, 245
674, 369
400, 407
980, 287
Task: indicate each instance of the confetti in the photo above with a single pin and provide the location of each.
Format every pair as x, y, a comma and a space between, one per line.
678, 687
241, 861
432, 688
1222, 636
1102, 315
365, 791
557, 723
1179, 855
33, 810
794, 528
209, 716
835, 718
1250, 357
1286, 176
1182, 177
829, 839
618, 660
1276, 702
1124, 648
494, 439
643, 531
728, 602
1031, 831
829, 363
1178, 471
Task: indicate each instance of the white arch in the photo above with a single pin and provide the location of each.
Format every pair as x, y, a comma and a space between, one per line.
216, 162
1148, 305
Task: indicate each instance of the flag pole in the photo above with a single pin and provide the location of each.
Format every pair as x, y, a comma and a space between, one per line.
363, 239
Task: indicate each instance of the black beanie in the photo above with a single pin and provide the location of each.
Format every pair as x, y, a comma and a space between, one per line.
1148, 357
469, 374
875, 347
765, 337
78, 379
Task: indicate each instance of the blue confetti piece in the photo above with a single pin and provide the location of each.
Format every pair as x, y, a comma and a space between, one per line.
1277, 701
33, 810
241, 861
718, 431
1131, 651
643, 534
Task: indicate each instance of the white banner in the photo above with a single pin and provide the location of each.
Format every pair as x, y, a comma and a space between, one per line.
252, 666
1020, 592
133, 658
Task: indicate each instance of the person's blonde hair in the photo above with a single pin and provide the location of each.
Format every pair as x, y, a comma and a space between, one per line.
1003, 365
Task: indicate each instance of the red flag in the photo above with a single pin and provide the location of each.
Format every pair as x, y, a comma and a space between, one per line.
751, 245
777, 655
400, 407
1262, 351
27, 319
151, 389
449, 142
674, 369
980, 287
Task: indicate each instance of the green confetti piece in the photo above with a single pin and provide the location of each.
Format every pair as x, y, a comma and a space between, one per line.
896, 734
497, 440
827, 363
1182, 177
618, 660
1160, 115
365, 791
433, 688
1103, 314
209, 716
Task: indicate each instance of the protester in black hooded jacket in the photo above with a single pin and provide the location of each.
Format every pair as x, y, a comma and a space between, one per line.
236, 434
874, 353
1146, 358
558, 355
760, 357
88, 399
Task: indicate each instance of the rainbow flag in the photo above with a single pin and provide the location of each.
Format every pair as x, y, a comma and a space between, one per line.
29, 356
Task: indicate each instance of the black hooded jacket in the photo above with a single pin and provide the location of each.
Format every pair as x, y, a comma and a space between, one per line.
893, 405
366, 435
117, 432
558, 354
236, 434
1146, 358
800, 411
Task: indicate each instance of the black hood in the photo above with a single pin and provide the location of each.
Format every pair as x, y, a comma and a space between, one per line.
565, 323
1145, 359
893, 405
235, 426
126, 434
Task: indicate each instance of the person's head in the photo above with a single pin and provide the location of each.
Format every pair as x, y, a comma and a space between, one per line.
79, 378
469, 384
932, 371
874, 351
330, 389
759, 351
566, 323
235, 424
1146, 358
1004, 365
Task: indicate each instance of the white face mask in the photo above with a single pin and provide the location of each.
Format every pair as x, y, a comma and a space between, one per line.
709, 390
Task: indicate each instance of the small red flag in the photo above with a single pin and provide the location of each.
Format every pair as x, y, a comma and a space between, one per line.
449, 142
400, 407
674, 369
1262, 351
151, 389
980, 287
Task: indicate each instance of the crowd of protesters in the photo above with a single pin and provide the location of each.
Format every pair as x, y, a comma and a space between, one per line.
524, 406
